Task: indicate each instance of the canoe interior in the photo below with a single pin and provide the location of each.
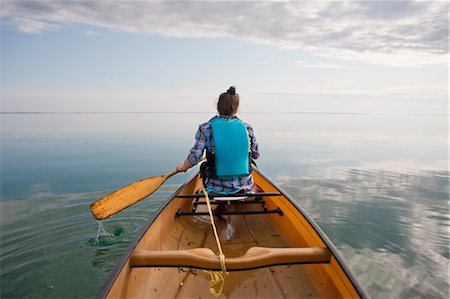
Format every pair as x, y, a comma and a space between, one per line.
238, 233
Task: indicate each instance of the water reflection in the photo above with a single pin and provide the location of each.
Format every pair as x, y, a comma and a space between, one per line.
392, 228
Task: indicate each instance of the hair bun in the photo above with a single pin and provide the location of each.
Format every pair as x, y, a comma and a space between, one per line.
231, 90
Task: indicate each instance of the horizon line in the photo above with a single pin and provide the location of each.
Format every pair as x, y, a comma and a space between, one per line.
206, 112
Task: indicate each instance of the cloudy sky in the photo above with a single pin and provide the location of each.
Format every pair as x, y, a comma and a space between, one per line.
286, 56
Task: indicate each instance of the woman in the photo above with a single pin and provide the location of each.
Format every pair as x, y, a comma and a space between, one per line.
230, 145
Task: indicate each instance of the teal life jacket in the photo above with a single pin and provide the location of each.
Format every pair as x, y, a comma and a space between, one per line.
231, 145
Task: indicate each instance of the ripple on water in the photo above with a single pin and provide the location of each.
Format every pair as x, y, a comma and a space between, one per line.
119, 230
49, 246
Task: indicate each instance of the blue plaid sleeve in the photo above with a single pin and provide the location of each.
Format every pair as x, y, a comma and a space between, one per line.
253, 144
201, 139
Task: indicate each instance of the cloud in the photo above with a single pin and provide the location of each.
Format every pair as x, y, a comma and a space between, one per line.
350, 88
91, 33
375, 31
28, 25
308, 64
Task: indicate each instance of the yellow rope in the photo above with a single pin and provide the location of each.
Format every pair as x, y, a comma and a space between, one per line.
217, 277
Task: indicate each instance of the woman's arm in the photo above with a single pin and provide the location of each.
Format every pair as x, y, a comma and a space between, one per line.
253, 144
196, 152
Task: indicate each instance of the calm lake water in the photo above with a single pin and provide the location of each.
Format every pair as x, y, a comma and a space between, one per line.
378, 186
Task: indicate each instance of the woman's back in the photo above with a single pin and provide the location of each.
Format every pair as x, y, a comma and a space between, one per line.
230, 144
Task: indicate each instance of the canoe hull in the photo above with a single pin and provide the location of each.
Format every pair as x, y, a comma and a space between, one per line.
238, 233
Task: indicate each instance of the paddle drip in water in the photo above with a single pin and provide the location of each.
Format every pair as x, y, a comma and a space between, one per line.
101, 229
103, 238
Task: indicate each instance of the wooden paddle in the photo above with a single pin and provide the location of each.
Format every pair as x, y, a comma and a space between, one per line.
127, 196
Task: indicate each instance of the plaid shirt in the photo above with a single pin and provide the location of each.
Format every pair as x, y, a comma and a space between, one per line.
204, 141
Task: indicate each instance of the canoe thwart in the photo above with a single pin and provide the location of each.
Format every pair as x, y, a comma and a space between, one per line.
215, 213
247, 202
213, 195
205, 258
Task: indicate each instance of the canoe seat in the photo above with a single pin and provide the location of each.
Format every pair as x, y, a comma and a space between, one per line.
205, 258
241, 199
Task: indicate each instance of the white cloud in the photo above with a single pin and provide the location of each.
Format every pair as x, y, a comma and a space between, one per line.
91, 33
387, 32
28, 25
350, 88
308, 64
318, 65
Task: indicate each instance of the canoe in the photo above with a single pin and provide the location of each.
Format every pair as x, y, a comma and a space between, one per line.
272, 249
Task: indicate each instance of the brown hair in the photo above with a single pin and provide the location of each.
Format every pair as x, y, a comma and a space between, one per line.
228, 102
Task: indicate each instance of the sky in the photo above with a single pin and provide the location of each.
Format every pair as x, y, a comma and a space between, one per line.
178, 56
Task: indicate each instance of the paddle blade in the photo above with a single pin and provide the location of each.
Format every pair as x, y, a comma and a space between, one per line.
127, 196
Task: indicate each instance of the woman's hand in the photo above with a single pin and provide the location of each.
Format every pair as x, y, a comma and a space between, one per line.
183, 166
179, 167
